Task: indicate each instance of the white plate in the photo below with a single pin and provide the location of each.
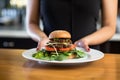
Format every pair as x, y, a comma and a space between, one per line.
93, 55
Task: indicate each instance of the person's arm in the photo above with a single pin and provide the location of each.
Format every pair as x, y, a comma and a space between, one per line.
33, 18
109, 15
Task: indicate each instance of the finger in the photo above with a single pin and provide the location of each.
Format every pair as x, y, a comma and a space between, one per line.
38, 47
79, 44
83, 45
87, 48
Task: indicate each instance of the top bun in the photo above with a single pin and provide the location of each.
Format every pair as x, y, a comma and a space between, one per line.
59, 34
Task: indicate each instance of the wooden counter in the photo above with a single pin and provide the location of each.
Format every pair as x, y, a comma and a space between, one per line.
14, 67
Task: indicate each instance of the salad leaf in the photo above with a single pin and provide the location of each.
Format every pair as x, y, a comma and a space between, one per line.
46, 55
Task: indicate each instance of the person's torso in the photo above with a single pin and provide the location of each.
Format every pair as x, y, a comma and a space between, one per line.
76, 16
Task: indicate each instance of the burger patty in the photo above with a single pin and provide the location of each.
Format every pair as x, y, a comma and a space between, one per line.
60, 42
59, 45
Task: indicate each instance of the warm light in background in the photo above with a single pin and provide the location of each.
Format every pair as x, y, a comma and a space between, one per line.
18, 3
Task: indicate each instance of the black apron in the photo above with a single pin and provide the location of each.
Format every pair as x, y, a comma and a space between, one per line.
79, 17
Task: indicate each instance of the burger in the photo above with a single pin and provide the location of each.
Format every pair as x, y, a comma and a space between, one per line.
59, 47
60, 40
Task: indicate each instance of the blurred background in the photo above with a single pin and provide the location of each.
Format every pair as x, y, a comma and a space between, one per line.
12, 25
13, 33
12, 14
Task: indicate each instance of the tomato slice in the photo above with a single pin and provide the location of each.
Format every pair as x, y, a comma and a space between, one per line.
60, 49
67, 49
72, 47
64, 49
49, 48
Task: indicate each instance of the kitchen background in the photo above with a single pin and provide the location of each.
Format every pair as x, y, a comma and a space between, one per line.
13, 33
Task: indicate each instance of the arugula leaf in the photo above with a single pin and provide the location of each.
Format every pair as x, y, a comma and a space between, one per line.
80, 53
38, 55
61, 57
46, 55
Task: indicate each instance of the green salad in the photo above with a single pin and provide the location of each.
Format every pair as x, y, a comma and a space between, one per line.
59, 56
